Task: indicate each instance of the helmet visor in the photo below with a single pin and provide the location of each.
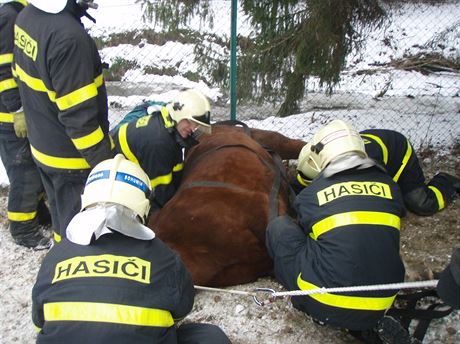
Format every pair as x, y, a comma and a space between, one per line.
203, 122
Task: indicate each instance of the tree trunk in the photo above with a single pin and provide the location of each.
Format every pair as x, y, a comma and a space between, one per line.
294, 94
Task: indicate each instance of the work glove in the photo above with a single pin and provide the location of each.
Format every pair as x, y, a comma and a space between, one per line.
19, 123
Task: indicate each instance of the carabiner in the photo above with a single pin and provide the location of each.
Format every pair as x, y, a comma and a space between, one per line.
265, 290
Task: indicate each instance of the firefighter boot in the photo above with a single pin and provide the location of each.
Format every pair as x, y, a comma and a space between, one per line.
36, 240
391, 331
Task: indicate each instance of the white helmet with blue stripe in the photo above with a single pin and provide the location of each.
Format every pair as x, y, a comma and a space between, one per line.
118, 181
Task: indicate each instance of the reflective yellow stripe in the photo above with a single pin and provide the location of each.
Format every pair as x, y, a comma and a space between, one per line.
56, 237
164, 180
178, 167
33, 83
23, 2
89, 140
354, 218
81, 95
302, 181
167, 178
57, 162
108, 313
64, 102
77, 97
439, 197
6, 117
166, 118
99, 80
6, 58
404, 162
379, 141
349, 302
123, 140
37, 329
112, 144
14, 216
7, 84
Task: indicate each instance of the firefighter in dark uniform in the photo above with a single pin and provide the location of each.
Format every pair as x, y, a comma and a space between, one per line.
347, 232
110, 280
393, 150
59, 73
156, 141
27, 211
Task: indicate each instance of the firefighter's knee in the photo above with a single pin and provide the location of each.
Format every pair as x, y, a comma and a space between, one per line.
277, 230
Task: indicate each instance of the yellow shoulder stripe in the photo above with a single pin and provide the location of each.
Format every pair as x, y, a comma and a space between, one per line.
382, 145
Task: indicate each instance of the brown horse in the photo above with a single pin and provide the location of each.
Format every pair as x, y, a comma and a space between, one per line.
217, 218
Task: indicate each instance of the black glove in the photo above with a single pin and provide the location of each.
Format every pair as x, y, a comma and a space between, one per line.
449, 282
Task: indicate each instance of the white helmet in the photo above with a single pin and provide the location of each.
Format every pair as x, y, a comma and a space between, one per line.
336, 138
307, 167
118, 181
192, 105
56, 6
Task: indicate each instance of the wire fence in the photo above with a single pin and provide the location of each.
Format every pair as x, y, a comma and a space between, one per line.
406, 76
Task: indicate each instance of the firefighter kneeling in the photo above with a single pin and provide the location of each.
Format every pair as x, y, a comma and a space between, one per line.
346, 234
111, 280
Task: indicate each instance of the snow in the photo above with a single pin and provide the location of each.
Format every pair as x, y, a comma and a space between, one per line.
435, 121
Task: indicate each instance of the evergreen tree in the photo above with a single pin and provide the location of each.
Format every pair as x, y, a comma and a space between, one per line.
293, 40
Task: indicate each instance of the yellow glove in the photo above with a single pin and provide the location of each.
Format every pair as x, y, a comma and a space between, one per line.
19, 123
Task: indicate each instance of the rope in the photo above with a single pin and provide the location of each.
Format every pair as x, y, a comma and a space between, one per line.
229, 291
273, 294
390, 286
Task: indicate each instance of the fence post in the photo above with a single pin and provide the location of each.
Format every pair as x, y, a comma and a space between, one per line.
233, 61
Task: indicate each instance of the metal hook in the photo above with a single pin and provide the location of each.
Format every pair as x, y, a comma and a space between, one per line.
266, 290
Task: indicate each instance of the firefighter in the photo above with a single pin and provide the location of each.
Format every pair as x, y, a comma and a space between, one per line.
156, 141
394, 152
59, 73
111, 280
28, 214
347, 233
